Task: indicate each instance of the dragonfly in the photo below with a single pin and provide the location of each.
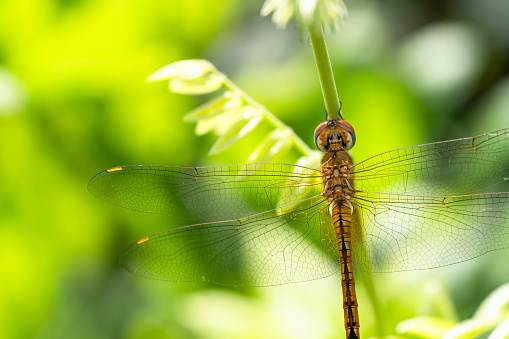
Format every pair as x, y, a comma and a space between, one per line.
268, 224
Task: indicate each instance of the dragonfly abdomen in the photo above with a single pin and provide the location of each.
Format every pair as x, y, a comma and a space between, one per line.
338, 191
342, 217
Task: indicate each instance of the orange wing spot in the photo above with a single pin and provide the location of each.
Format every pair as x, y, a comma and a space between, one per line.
114, 169
141, 241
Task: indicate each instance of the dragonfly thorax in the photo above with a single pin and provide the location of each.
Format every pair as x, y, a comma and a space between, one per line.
336, 175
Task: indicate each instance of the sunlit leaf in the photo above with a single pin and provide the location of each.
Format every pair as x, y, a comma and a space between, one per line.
201, 85
312, 160
219, 123
282, 11
425, 327
269, 6
13, 94
495, 307
223, 103
317, 13
465, 330
501, 331
187, 69
333, 13
307, 9
293, 194
275, 143
230, 115
324, 13
250, 119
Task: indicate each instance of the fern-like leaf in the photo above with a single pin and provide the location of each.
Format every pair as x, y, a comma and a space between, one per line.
231, 114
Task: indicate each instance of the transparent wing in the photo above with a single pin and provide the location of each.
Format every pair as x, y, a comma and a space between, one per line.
402, 232
205, 193
441, 168
292, 244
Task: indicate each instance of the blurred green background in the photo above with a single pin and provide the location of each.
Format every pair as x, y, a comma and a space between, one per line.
74, 101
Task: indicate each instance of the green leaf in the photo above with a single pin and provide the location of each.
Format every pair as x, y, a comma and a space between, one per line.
495, 307
268, 7
299, 192
275, 143
13, 94
466, 330
501, 331
283, 11
222, 104
425, 327
315, 13
218, 123
201, 85
250, 119
187, 69
223, 114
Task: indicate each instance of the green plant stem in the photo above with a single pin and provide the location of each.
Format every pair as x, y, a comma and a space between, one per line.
323, 65
367, 279
332, 105
298, 142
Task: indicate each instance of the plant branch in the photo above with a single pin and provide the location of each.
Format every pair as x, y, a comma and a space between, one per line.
323, 65
369, 286
298, 142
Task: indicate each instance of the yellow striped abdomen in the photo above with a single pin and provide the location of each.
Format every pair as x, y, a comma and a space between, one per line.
342, 217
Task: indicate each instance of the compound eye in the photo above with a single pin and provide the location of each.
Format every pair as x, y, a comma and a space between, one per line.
334, 135
319, 141
350, 139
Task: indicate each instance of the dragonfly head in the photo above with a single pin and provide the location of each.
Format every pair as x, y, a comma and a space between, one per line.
334, 135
